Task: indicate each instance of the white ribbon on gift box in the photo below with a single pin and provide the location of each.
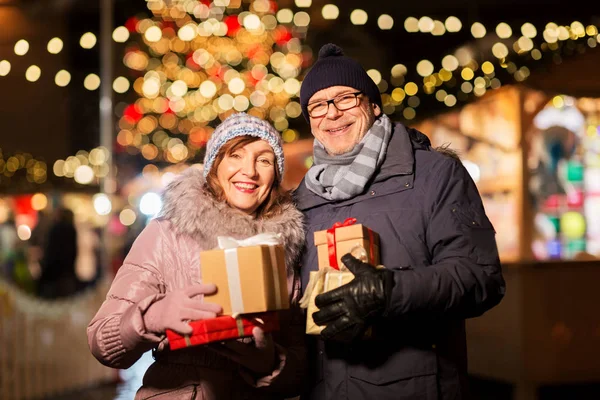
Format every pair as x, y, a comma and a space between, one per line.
338, 274
230, 245
322, 273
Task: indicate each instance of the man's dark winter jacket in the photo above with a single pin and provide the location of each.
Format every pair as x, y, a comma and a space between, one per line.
440, 245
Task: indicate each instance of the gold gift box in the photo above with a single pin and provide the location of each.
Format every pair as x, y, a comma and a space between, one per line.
346, 239
325, 280
259, 284
356, 239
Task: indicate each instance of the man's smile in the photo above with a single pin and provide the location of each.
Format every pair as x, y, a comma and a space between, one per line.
339, 130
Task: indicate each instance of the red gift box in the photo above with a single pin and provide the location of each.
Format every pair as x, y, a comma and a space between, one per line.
223, 328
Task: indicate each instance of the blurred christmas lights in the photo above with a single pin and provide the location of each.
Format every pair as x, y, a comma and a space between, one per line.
195, 62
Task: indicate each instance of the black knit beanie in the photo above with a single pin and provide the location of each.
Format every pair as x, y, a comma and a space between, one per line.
333, 68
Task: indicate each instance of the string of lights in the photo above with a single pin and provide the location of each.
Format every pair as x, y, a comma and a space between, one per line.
84, 167
461, 63
194, 62
36, 169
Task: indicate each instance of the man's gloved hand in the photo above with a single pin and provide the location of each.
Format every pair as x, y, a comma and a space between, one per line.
178, 307
348, 310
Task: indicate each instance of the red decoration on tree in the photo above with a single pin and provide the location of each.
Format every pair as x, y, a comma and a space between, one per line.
249, 79
282, 35
253, 51
169, 32
190, 63
273, 7
131, 24
216, 72
233, 25
199, 136
131, 111
168, 27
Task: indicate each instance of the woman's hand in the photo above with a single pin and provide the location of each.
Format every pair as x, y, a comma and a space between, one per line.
258, 354
178, 307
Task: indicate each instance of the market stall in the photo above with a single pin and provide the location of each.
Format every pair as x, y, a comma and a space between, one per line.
535, 158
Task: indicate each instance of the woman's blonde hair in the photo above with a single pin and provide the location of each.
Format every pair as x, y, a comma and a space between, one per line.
277, 197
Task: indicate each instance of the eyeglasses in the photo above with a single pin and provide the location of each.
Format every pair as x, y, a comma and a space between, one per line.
342, 103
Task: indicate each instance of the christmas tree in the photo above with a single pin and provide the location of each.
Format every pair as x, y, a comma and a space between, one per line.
196, 62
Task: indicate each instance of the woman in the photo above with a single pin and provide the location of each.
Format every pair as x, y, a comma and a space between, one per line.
160, 284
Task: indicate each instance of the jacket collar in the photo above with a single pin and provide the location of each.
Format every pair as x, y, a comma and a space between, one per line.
399, 160
400, 157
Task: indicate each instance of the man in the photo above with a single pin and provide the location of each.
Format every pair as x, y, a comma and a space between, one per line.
437, 246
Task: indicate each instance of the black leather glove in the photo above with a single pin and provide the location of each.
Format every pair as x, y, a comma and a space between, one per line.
349, 310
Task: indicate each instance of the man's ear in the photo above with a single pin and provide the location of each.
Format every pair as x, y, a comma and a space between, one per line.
376, 110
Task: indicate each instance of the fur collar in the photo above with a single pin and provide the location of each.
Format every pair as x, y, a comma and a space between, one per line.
193, 211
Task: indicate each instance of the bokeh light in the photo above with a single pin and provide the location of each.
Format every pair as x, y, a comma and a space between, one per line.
88, 40
385, 22
150, 204
102, 204
127, 217
358, 17
330, 11
55, 45
120, 34
153, 34
62, 78
453, 24
478, 30
121, 84
24, 232
33, 73
4, 67
39, 201
91, 82
21, 47
84, 174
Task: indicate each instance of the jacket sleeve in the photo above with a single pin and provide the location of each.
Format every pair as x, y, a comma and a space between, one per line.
465, 278
117, 336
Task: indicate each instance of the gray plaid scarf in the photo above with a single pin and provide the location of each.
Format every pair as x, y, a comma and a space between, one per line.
344, 176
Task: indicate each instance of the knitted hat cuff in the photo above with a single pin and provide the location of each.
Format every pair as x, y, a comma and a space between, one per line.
334, 69
242, 124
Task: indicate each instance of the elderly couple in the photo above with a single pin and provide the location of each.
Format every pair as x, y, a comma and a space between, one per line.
437, 246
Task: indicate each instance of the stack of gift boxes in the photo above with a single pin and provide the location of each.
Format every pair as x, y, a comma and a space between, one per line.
251, 284
332, 244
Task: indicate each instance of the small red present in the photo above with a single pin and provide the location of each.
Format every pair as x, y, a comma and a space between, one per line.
223, 328
343, 238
